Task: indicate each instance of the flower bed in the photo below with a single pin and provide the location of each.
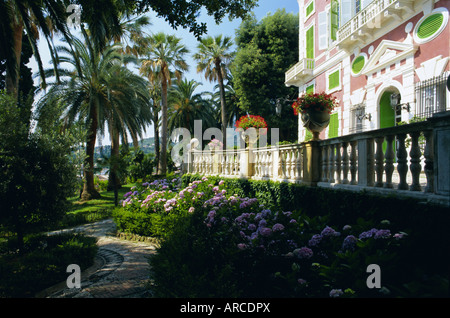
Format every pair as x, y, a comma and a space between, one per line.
218, 243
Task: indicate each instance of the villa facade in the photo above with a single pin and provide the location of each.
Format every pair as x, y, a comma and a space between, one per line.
386, 61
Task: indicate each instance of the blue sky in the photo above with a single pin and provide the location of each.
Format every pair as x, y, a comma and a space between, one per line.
226, 28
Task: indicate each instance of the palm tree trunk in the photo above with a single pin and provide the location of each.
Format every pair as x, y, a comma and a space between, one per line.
114, 180
12, 80
156, 133
222, 103
89, 191
164, 132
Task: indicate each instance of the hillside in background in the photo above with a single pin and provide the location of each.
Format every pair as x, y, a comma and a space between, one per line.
147, 145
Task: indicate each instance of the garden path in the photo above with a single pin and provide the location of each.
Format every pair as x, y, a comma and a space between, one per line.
121, 268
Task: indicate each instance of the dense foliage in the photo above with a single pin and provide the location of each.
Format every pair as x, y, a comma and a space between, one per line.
37, 175
219, 240
44, 262
265, 50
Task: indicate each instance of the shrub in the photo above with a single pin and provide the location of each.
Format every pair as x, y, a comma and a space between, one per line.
43, 262
234, 246
240, 238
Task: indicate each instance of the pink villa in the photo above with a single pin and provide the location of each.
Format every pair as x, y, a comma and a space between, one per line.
386, 61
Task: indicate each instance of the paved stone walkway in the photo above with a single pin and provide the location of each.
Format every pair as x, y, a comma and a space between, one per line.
121, 268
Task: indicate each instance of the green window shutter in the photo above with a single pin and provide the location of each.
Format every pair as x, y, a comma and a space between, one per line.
334, 19
333, 128
310, 43
333, 80
310, 8
310, 89
358, 64
430, 25
308, 135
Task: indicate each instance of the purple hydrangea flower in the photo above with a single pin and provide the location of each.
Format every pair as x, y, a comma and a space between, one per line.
278, 227
349, 242
368, 234
191, 209
315, 240
382, 234
265, 231
303, 252
242, 246
328, 231
336, 293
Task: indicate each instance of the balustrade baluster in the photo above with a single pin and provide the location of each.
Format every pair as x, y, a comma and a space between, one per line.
331, 168
283, 164
429, 160
389, 161
257, 165
324, 164
345, 163
353, 162
298, 165
415, 166
264, 164
402, 166
288, 164
337, 159
293, 163
370, 163
379, 157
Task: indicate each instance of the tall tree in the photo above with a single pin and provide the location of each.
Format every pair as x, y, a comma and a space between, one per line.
265, 50
185, 106
165, 57
185, 13
213, 58
91, 91
28, 16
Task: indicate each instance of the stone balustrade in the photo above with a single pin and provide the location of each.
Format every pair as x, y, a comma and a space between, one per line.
408, 160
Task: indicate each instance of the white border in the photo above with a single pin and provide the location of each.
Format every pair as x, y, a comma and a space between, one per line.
327, 75
366, 59
313, 10
444, 12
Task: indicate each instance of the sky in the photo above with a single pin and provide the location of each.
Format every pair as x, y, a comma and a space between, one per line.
226, 28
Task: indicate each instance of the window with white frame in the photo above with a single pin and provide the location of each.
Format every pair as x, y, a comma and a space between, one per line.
309, 9
323, 30
357, 116
333, 79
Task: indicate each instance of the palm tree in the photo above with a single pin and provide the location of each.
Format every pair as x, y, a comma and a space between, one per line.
92, 91
123, 118
231, 100
185, 106
165, 57
213, 58
29, 16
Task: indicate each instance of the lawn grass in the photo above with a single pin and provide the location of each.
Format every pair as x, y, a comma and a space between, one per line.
81, 212
105, 203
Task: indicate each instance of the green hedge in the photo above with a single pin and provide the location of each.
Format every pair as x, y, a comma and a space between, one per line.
43, 263
428, 224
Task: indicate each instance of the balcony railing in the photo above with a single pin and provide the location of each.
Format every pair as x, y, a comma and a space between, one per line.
371, 17
295, 73
408, 160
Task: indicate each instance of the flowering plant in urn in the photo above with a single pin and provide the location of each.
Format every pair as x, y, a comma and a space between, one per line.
251, 121
315, 110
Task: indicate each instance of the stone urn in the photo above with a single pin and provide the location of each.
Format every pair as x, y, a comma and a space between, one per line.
250, 137
315, 121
